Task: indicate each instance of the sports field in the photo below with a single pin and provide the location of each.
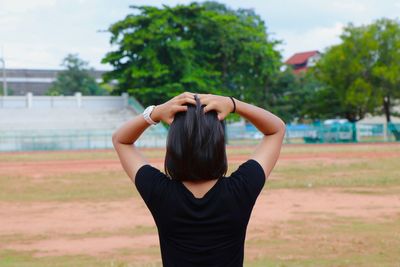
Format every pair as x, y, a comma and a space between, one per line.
323, 205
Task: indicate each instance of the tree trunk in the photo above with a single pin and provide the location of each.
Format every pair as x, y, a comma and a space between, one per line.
386, 109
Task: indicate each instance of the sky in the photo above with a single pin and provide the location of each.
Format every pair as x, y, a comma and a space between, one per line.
40, 33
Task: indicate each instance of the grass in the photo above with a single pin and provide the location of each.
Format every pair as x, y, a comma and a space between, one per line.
115, 185
127, 232
364, 173
94, 186
333, 241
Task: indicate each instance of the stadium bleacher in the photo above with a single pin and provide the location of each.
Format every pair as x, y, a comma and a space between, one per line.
68, 122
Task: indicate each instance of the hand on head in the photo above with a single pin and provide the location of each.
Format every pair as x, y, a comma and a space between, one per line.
166, 112
221, 104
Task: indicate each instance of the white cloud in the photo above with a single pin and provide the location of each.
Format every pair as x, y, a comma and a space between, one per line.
21, 6
317, 38
350, 6
39, 33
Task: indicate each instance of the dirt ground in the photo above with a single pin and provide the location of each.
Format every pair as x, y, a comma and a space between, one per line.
272, 208
95, 228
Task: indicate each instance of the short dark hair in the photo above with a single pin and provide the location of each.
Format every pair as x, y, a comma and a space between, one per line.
196, 145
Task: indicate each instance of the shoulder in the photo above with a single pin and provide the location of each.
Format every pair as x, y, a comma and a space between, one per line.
249, 176
148, 176
148, 172
146, 169
246, 182
250, 167
151, 182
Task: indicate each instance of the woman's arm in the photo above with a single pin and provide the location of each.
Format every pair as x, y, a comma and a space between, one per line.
271, 126
124, 138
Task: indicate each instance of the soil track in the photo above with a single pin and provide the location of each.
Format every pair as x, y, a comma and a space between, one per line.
62, 224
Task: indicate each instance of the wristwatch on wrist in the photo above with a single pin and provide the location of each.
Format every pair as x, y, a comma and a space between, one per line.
146, 114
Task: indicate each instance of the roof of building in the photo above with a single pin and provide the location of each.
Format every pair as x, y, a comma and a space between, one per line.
300, 58
44, 73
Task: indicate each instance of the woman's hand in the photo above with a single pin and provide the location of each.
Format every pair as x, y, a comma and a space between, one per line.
166, 112
223, 105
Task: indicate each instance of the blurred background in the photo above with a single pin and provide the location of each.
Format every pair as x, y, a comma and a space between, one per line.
329, 69
71, 72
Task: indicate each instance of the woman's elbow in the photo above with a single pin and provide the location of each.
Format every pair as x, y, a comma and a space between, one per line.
114, 138
282, 127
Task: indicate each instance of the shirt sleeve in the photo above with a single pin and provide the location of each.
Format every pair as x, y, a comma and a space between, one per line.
248, 181
151, 184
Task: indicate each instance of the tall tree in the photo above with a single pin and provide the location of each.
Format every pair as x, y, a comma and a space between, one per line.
360, 75
200, 47
386, 70
76, 78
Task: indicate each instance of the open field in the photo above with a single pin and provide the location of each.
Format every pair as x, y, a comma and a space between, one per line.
323, 205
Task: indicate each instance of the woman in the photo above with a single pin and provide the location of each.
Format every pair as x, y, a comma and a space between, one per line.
201, 215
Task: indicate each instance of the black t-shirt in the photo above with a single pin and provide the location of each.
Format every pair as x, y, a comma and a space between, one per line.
208, 231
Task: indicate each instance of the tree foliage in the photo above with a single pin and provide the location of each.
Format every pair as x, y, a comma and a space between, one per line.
360, 75
200, 47
76, 78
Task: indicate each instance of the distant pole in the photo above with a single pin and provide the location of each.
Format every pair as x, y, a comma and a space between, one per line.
4, 73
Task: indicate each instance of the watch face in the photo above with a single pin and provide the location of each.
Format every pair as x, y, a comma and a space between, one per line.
147, 111
149, 108
146, 114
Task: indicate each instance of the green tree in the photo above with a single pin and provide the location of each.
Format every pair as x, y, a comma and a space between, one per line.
76, 78
200, 47
385, 71
315, 100
295, 97
360, 75
301, 93
280, 95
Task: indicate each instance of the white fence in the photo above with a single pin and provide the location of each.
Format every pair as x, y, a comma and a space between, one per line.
77, 101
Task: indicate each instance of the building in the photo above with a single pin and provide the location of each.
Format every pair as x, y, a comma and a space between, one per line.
303, 60
36, 81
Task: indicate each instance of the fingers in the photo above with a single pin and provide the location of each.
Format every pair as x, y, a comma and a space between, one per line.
208, 107
186, 95
180, 108
185, 100
204, 99
207, 100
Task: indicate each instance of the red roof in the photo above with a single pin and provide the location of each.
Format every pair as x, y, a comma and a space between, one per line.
300, 58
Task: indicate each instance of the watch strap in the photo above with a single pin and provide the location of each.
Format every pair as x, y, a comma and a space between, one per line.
146, 114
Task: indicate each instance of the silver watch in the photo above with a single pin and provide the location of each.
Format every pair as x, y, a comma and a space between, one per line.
146, 114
